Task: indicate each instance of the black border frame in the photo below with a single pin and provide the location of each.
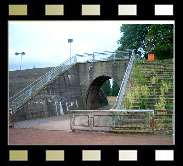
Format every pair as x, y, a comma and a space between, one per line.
73, 153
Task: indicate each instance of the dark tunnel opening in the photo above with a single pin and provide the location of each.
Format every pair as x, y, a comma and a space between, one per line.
100, 91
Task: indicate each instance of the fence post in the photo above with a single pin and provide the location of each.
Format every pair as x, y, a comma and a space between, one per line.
75, 59
71, 120
114, 57
91, 120
11, 120
111, 120
49, 77
93, 57
153, 122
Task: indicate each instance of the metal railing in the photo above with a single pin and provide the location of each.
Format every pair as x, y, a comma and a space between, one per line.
122, 90
40, 82
35, 86
133, 121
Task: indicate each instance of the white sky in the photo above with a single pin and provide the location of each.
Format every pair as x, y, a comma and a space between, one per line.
46, 42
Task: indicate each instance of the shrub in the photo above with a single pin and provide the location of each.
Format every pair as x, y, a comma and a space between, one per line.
137, 92
161, 104
129, 100
144, 90
154, 80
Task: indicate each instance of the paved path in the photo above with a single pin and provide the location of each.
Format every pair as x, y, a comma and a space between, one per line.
41, 121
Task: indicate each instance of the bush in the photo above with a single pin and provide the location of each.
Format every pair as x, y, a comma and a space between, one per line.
161, 104
129, 100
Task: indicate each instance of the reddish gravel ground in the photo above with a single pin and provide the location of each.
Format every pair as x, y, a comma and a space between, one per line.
56, 131
30, 136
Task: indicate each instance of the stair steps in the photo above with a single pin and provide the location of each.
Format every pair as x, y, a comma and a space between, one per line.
162, 71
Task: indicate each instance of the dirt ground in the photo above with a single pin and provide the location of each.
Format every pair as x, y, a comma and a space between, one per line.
53, 137
56, 131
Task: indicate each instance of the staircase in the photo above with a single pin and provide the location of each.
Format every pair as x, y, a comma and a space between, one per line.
32, 89
19, 79
150, 86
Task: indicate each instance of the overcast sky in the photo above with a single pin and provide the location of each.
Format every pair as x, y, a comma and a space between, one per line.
46, 42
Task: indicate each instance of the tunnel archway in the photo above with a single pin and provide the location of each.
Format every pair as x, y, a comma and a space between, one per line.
96, 97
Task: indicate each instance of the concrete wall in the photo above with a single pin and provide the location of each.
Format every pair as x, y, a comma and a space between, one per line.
93, 75
77, 88
55, 99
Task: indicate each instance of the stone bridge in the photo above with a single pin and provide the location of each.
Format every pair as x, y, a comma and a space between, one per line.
77, 88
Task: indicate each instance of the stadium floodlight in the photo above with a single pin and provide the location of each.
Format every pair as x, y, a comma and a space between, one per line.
22, 53
70, 41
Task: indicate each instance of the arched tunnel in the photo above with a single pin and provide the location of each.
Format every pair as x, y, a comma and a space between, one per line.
96, 97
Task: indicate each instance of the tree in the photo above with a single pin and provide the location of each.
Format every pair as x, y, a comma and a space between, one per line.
162, 40
136, 36
133, 36
115, 89
106, 87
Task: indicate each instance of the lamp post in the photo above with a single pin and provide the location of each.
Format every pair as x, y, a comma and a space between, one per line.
70, 41
22, 53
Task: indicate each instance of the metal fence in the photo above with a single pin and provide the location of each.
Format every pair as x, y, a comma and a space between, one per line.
133, 121
164, 121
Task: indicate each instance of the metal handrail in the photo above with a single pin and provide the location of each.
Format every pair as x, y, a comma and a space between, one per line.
37, 84
124, 82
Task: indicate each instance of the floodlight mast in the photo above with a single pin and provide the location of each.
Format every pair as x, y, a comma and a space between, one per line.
22, 53
70, 41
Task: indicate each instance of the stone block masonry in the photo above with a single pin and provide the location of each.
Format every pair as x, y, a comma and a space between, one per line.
76, 88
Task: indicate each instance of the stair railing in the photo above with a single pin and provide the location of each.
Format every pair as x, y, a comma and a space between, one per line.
40, 82
122, 90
